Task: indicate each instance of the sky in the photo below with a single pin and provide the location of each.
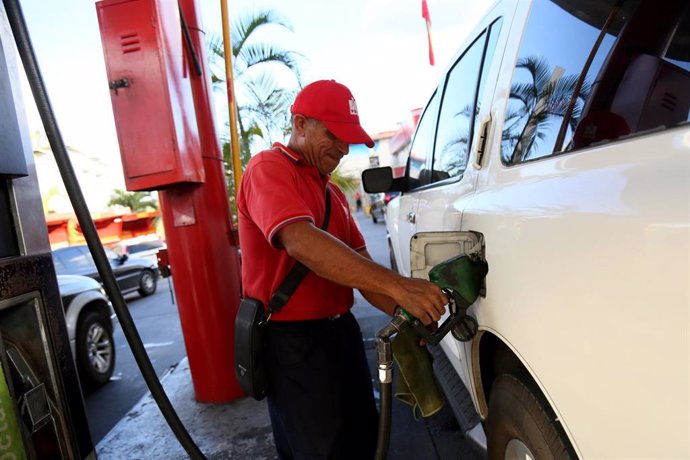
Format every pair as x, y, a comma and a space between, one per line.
378, 48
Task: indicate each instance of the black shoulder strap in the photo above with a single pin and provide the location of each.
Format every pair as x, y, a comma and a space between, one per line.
298, 271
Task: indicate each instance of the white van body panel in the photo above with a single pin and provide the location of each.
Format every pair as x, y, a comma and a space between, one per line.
591, 251
589, 271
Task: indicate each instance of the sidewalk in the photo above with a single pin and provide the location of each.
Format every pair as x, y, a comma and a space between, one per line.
242, 430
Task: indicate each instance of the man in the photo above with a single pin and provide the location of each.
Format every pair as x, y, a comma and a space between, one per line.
320, 396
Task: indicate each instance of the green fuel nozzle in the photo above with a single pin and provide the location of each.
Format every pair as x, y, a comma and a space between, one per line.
461, 278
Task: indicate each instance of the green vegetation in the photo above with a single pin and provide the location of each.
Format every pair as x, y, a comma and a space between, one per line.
135, 201
263, 104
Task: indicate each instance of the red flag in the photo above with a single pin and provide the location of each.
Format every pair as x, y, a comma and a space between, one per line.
427, 18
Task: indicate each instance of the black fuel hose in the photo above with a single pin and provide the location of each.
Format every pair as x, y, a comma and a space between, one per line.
384, 436
21, 36
384, 352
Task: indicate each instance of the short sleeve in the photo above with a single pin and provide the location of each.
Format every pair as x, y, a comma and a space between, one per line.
272, 198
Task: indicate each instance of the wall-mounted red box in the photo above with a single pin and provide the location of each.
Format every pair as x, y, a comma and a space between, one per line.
148, 74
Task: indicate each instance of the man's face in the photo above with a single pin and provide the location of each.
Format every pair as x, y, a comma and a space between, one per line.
319, 147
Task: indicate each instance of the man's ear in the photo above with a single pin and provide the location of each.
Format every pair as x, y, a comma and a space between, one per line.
299, 123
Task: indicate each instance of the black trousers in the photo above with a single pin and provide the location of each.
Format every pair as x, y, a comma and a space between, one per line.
320, 395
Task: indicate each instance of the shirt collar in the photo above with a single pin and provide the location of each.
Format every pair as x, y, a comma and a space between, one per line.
287, 152
298, 159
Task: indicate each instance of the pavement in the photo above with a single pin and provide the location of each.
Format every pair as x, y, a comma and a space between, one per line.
241, 429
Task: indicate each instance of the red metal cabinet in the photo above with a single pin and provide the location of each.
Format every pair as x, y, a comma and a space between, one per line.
147, 69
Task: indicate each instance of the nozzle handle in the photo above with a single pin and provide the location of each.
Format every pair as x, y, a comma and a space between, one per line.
434, 337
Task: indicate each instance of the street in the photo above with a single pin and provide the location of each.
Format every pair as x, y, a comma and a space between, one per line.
158, 324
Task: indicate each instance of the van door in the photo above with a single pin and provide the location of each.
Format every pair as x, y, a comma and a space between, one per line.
402, 212
451, 180
460, 124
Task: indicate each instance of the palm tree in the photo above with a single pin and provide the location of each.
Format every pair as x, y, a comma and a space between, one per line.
347, 184
540, 100
263, 105
135, 201
268, 108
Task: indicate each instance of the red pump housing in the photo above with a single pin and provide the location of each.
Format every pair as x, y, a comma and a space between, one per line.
151, 94
168, 143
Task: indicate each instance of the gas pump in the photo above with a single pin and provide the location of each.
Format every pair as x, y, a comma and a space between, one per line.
160, 93
41, 408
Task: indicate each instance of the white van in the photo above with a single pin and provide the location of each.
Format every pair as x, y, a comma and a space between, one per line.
557, 144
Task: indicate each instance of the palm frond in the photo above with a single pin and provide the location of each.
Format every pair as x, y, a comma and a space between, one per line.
344, 182
249, 23
135, 201
263, 105
261, 53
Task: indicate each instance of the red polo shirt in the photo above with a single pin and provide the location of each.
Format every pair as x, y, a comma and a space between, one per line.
279, 188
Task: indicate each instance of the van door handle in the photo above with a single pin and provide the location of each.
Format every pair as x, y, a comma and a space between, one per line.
412, 217
482, 144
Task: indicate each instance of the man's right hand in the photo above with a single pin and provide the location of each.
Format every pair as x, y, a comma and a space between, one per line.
422, 299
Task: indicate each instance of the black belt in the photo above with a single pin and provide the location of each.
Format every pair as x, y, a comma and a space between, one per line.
309, 322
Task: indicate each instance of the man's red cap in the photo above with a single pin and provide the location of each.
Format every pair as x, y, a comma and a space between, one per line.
333, 105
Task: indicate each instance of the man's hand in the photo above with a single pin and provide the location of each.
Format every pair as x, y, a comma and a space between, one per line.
422, 299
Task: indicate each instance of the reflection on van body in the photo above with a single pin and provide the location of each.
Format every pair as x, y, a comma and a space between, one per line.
558, 136
621, 78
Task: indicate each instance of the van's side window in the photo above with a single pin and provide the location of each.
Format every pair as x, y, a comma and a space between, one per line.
460, 106
555, 47
622, 74
456, 120
422, 146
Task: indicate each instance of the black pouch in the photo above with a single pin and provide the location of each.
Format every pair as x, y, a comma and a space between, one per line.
249, 341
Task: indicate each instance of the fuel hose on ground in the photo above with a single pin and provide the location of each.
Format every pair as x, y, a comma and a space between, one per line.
21, 37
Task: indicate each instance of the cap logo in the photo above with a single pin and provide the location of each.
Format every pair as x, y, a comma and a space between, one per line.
353, 106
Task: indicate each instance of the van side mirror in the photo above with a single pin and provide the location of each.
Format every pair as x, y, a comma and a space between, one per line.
380, 180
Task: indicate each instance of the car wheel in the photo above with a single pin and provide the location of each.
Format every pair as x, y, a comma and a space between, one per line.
520, 426
147, 283
95, 349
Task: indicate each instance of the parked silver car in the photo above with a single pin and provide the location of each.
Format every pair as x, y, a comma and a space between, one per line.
89, 319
